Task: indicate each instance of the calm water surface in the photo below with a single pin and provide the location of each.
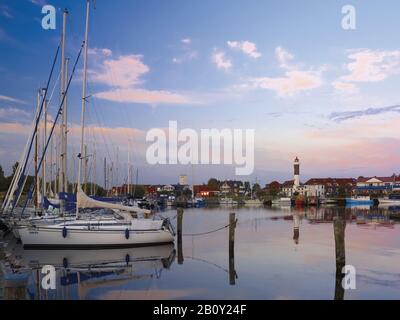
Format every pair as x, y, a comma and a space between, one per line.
279, 253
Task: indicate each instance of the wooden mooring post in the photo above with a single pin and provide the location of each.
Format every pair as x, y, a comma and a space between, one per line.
232, 271
179, 219
339, 227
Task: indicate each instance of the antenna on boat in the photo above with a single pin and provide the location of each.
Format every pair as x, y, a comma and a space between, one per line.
83, 104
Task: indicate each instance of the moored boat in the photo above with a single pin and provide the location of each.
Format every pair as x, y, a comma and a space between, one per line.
359, 200
97, 234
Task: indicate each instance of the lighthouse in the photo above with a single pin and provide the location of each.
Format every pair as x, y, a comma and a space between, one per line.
296, 166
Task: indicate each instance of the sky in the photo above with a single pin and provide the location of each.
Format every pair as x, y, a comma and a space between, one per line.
286, 69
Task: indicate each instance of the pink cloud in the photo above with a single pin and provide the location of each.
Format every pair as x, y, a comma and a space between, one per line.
292, 83
124, 76
123, 72
372, 66
247, 47
14, 128
221, 61
143, 96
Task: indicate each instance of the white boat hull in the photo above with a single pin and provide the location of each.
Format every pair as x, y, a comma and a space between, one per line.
43, 237
393, 202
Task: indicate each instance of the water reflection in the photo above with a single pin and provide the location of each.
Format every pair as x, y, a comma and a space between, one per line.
79, 271
296, 227
259, 248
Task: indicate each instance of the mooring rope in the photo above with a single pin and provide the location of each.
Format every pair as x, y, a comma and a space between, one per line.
211, 231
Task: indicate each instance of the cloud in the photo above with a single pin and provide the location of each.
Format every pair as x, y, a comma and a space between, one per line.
372, 66
341, 116
143, 96
247, 47
345, 87
14, 128
10, 99
6, 12
186, 41
40, 3
100, 51
124, 76
221, 61
186, 56
13, 113
292, 83
125, 71
284, 57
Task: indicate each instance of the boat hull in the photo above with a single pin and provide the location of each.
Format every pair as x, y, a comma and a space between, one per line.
359, 202
41, 237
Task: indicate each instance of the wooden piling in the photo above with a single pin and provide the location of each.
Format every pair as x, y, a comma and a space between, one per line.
179, 219
339, 226
232, 226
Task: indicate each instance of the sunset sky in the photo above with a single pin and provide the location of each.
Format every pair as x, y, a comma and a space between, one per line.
286, 69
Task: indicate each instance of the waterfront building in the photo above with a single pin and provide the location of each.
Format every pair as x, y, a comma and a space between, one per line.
232, 187
333, 187
377, 185
204, 191
168, 188
288, 188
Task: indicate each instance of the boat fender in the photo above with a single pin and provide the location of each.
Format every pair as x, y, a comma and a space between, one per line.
127, 258
64, 232
65, 263
127, 233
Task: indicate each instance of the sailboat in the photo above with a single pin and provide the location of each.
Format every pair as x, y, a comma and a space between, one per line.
123, 230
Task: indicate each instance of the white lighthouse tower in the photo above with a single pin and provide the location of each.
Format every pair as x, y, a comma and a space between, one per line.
296, 166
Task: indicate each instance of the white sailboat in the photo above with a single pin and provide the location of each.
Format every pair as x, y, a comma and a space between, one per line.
123, 231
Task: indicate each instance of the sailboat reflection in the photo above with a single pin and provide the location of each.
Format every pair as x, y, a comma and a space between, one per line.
90, 269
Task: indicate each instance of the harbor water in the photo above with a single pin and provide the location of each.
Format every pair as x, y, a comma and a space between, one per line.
276, 253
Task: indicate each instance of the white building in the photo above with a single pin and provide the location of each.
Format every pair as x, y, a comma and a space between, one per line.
289, 188
183, 180
168, 188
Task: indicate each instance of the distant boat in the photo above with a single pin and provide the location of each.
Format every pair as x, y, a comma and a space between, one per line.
228, 201
199, 202
359, 200
393, 199
253, 202
331, 201
282, 201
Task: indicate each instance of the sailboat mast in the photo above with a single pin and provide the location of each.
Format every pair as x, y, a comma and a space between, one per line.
62, 93
129, 167
44, 154
37, 159
94, 172
83, 101
65, 125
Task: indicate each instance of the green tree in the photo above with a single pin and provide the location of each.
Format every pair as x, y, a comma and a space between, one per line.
139, 191
341, 192
3, 181
256, 188
213, 184
14, 168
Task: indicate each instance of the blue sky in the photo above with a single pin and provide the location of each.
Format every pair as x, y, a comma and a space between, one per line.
284, 68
